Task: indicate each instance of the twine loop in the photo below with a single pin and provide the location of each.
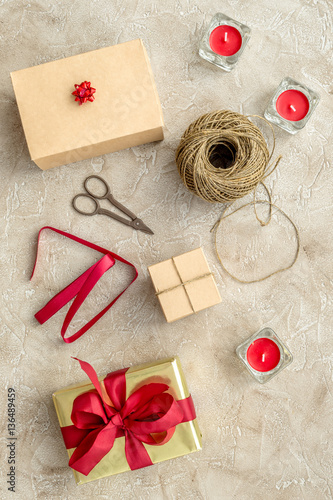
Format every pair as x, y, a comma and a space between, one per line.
254, 202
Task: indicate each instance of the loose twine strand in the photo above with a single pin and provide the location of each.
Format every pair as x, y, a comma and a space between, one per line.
232, 138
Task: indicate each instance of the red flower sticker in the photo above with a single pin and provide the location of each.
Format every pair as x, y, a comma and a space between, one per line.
84, 92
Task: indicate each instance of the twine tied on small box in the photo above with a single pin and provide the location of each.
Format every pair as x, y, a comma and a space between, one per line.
183, 284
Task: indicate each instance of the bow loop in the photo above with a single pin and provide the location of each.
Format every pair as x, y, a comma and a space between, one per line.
165, 414
116, 388
88, 411
141, 397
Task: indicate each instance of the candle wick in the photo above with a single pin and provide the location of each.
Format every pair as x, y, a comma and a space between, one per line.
292, 107
263, 357
225, 36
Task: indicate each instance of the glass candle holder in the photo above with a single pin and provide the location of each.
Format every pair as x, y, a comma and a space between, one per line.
264, 355
291, 106
224, 41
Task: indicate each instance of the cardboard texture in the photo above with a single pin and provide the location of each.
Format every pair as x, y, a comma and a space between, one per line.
126, 111
187, 436
184, 285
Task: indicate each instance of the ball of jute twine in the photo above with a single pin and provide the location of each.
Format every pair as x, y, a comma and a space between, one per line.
222, 156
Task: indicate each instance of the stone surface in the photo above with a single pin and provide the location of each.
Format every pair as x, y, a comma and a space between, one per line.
271, 441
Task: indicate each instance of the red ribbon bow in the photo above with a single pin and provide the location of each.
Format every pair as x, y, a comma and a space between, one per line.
149, 415
80, 288
84, 92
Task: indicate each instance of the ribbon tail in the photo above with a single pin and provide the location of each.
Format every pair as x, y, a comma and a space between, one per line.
96, 273
63, 297
92, 449
89, 370
136, 454
73, 436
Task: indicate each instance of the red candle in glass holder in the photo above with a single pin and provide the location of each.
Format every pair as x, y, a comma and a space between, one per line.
292, 105
263, 355
225, 40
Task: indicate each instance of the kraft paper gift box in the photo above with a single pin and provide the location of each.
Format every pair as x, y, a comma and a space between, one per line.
184, 285
185, 439
126, 111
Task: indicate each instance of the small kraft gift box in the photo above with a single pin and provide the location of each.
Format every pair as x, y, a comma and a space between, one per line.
184, 285
122, 108
129, 419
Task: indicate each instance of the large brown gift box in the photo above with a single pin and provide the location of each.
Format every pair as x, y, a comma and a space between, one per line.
126, 111
184, 285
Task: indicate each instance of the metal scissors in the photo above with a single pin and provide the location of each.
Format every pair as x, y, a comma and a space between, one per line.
135, 222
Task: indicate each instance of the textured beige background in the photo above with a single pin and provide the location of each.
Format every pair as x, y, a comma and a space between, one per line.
270, 442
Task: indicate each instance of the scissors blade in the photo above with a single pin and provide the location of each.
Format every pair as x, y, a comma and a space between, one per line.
140, 226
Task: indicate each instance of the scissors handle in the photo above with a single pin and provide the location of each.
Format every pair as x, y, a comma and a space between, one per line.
83, 195
107, 195
94, 195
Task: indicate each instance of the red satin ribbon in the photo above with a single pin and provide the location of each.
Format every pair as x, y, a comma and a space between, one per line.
80, 288
149, 415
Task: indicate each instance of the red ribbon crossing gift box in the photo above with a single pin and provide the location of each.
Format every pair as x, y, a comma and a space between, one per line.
132, 418
115, 104
184, 285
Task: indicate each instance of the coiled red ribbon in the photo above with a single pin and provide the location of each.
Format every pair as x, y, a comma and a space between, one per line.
149, 415
80, 288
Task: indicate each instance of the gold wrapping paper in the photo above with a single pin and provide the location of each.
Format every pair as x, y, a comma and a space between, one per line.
126, 111
184, 285
187, 436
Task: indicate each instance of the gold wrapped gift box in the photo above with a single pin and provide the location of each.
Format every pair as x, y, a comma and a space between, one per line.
187, 436
126, 111
184, 285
